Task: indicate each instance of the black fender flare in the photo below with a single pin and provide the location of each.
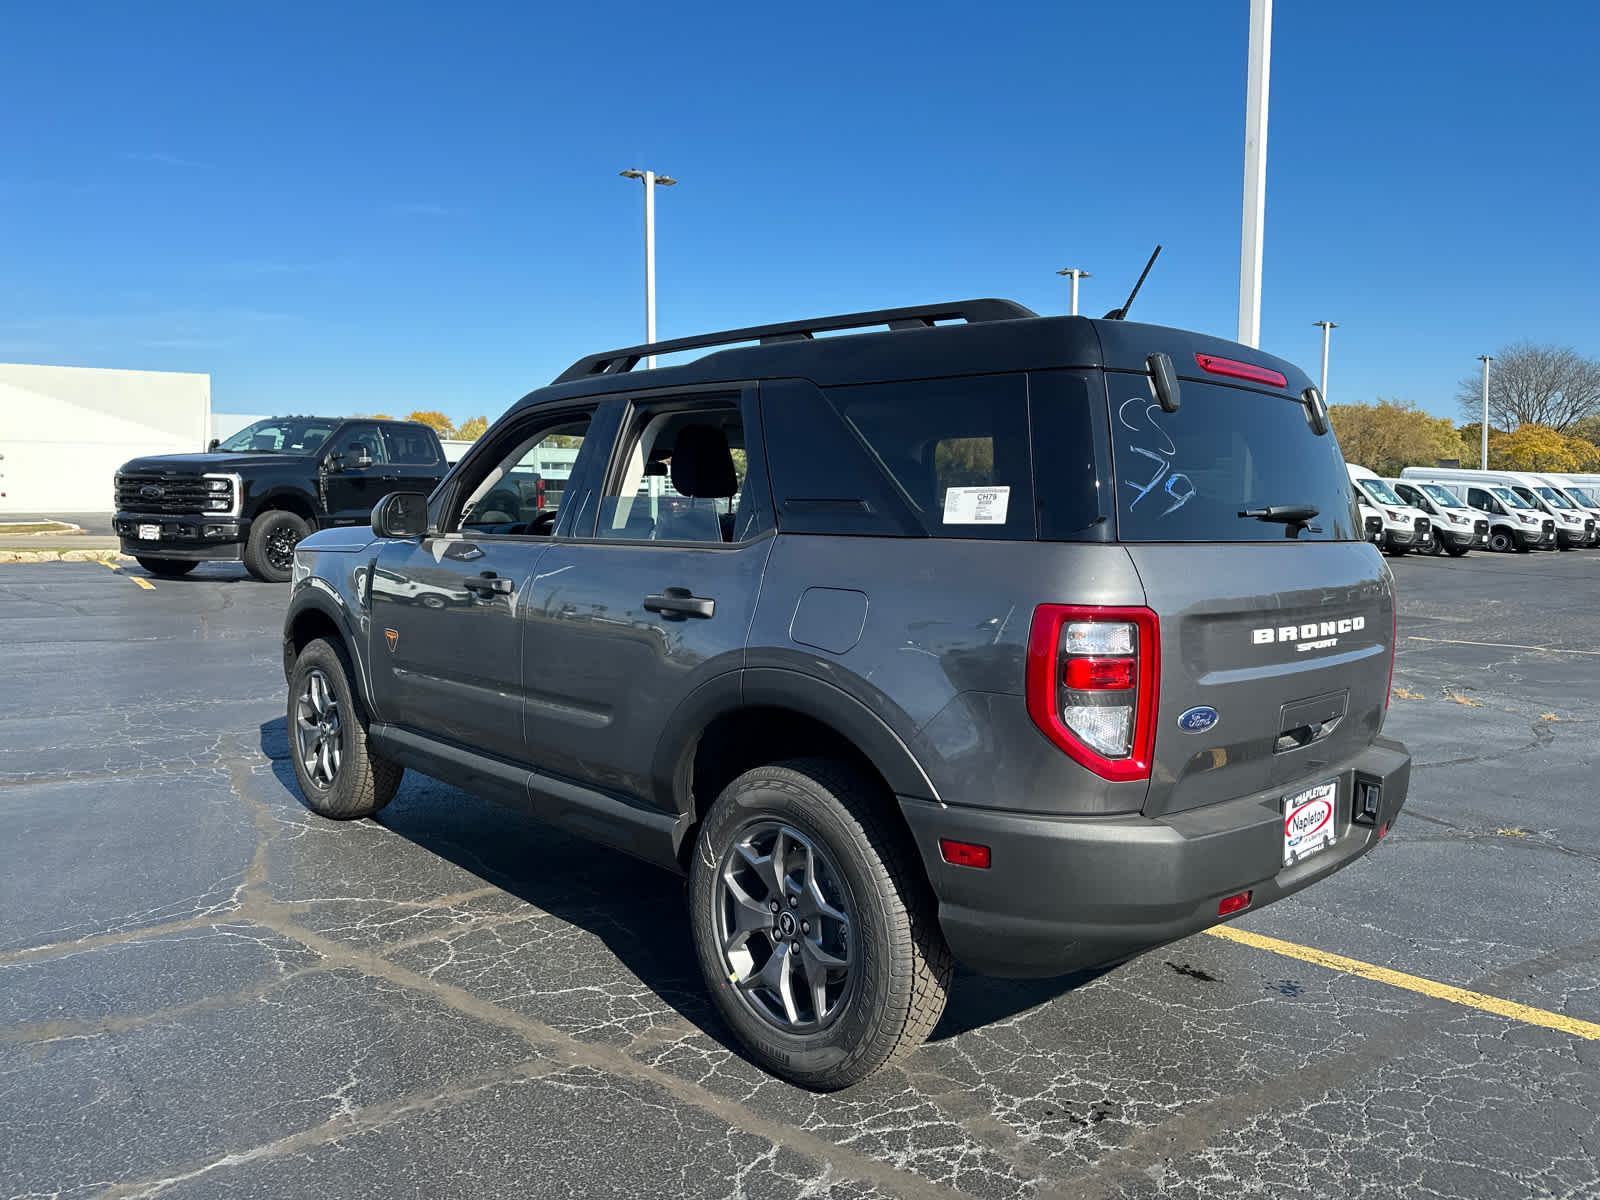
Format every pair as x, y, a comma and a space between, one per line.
312, 598
774, 687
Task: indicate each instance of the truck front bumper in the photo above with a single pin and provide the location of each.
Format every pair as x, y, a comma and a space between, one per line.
1069, 893
190, 537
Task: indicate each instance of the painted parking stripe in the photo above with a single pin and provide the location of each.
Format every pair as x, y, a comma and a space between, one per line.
139, 579
1499, 645
1527, 1014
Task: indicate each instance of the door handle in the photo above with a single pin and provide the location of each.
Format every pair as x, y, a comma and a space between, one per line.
489, 584
680, 602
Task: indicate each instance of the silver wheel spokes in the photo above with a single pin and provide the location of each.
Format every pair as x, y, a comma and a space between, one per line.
783, 928
319, 732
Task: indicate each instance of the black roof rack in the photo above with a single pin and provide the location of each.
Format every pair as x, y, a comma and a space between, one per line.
616, 362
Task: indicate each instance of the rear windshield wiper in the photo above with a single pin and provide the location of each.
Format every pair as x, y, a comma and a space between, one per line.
1289, 514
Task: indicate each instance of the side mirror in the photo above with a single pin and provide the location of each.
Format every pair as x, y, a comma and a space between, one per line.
213, 444
400, 515
358, 458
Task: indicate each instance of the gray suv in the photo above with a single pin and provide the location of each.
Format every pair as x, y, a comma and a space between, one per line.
971, 636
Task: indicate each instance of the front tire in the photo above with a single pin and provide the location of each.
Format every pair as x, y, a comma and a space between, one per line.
167, 568
338, 774
269, 552
814, 924
1501, 541
1455, 551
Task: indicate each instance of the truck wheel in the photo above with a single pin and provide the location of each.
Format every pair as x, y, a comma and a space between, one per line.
167, 568
269, 554
814, 924
338, 774
1502, 541
1455, 551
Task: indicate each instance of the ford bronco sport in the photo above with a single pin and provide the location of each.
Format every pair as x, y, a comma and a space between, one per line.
256, 494
1029, 643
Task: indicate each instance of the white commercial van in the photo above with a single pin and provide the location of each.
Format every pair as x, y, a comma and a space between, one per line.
1573, 527
1581, 498
1514, 523
1404, 528
1456, 527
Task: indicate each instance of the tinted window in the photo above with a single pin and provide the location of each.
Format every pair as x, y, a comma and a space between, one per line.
356, 438
956, 448
410, 446
1186, 476
1479, 498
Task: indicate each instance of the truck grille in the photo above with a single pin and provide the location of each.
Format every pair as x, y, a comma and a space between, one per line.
1549, 529
153, 492
1480, 530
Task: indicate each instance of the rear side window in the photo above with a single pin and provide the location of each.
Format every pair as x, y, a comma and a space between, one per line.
1186, 476
957, 450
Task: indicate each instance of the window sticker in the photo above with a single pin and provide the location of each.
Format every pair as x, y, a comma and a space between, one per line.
976, 505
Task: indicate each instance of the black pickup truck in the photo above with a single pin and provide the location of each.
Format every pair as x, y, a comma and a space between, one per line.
255, 495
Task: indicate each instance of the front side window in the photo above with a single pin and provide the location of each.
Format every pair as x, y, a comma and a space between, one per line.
356, 441
280, 435
410, 446
520, 491
680, 477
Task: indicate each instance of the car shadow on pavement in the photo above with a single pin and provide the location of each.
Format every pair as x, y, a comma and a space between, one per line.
637, 911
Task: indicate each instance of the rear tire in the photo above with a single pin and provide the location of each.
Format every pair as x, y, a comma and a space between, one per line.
814, 924
167, 568
269, 554
339, 775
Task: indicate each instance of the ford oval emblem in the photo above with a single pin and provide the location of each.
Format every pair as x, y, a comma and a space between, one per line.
1198, 720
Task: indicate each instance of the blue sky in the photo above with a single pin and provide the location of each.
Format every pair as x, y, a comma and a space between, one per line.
388, 207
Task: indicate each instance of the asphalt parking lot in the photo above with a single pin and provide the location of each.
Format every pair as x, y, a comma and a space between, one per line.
206, 991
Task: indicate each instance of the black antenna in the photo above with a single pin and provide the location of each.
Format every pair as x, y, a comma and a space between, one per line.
1121, 314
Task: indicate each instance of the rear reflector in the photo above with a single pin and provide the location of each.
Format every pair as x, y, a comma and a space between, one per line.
1233, 904
1213, 365
964, 854
1099, 674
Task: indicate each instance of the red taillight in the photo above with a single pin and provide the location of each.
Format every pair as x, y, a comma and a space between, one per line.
1099, 674
538, 489
964, 854
1233, 904
1091, 685
1213, 365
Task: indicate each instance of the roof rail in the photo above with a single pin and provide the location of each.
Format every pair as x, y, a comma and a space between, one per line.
617, 362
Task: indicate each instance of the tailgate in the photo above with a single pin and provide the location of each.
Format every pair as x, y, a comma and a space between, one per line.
1288, 643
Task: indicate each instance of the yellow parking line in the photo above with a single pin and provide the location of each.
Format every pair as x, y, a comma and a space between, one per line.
143, 582
1428, 987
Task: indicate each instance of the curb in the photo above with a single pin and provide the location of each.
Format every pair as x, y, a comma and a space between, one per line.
33, 556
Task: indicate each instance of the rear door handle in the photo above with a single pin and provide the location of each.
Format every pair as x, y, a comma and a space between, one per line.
680, 602
489, 584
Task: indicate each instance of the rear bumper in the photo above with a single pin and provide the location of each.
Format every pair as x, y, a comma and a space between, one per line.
189, 537
1065, 894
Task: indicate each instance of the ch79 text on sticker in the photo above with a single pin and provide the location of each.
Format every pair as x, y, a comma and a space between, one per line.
976, 505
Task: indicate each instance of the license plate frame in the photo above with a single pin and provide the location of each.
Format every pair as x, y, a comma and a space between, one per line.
149, 533
1308, 820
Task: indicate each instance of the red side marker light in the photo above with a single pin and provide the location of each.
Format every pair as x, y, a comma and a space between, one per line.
964, 854
1233, 904
1383, 831
1213, 365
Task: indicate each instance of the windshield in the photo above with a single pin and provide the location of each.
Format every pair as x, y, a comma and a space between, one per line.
281, 435
1584, 496
1380, 491
1556, 499
1509, 498
1440, 496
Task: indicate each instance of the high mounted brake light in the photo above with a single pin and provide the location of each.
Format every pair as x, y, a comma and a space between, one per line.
1213, 365
1091, 685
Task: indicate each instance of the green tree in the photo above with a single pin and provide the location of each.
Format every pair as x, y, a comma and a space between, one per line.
1392, 434
436, 421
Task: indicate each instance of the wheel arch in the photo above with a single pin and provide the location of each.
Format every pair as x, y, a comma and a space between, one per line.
314, 617
293, 500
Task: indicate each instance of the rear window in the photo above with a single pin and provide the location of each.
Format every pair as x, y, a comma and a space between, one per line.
1186, 476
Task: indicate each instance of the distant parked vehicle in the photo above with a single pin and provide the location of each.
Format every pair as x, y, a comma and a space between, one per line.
1454, 527
1404, 527
1570, 527
1514, 524
1585, 501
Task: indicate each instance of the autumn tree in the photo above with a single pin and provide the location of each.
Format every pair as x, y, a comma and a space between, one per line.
472, 429
436, 421
1392, 434
1554, 386
1539, 448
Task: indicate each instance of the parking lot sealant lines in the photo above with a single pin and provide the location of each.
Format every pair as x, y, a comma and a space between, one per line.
1499, 645
1527, 1014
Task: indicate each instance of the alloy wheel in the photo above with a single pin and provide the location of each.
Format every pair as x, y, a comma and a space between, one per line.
783, 925
319, 729
280, 548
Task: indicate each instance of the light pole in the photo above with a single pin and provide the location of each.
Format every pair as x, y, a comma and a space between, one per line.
651, 179
1327, 328
1076, 275
1483, 459
1255, 171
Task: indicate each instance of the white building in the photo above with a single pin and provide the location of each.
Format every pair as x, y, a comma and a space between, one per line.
64, 431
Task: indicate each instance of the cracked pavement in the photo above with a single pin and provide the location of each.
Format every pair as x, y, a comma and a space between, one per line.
207, 991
